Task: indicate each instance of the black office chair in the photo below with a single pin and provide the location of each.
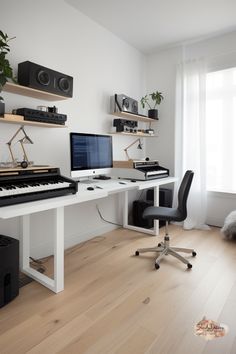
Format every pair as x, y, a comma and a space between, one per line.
170, 214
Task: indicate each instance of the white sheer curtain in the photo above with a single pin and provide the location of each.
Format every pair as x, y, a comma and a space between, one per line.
190, 144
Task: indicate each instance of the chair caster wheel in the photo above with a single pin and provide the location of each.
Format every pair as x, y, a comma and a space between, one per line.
189, 266
159, 245
194, 254
137, 253
157, 266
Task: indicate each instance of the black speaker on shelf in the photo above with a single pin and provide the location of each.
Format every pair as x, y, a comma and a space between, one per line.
9, 269
45, 79
126, 104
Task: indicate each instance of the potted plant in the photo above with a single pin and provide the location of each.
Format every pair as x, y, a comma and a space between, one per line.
157, 98
5, 67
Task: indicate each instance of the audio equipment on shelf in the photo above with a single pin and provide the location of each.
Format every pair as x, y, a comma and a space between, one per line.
149, 131
41, 116
126, 104
121, 123
42, 78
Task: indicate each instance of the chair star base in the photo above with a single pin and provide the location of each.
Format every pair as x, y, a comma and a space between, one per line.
164, 249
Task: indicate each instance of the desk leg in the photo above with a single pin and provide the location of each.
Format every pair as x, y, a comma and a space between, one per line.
156, 203
155, 231
59, 249
25, 242
125, 208
56, 284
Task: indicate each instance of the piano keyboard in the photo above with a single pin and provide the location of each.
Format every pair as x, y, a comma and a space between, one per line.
23, 188
19, 186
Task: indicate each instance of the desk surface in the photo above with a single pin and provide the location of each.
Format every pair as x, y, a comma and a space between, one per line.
101, 190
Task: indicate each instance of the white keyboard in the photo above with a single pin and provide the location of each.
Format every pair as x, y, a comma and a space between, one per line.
24, 188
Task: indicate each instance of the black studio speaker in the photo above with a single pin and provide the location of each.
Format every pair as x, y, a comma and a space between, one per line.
9, 269
126, 104
45, 79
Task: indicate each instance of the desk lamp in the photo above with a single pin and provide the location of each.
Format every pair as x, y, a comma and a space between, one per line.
138, 147
25, 140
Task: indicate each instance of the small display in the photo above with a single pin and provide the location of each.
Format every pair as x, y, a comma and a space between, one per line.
91, 154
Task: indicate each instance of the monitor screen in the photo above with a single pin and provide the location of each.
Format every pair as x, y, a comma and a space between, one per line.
91, 154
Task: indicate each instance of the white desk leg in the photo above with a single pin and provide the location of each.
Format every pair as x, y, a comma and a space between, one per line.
56, 284
24, 241
125, 209
59, 249
132, 227
156, 203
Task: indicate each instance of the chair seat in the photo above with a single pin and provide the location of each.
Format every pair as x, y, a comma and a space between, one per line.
163, 213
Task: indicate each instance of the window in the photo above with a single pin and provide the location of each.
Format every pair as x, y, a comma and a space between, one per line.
221, 130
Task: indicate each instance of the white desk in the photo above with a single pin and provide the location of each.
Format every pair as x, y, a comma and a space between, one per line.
102, 189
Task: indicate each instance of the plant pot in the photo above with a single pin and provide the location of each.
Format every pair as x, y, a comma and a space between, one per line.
153, 113
2, 108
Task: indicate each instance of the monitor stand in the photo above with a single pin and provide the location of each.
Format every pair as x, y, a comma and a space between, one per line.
102, 177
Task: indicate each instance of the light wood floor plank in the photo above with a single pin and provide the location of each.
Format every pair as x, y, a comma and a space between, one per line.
116, 303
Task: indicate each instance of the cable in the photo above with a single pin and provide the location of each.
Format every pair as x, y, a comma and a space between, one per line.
36, 263
110, 222
82, 244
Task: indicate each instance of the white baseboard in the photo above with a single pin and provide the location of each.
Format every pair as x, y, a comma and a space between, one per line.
215, 221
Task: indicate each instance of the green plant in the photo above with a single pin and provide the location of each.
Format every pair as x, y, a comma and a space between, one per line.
5, 67
157, 97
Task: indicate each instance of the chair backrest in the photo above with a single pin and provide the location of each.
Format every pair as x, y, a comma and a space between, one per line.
184, 192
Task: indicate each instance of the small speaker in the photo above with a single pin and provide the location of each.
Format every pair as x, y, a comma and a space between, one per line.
126, 104
9, 269
45, 79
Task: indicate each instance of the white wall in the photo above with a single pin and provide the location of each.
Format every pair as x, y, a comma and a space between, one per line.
55, 35
161, 71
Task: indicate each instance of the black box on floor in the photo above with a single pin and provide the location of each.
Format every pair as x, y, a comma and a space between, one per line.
165, 199
138, 208
9, 269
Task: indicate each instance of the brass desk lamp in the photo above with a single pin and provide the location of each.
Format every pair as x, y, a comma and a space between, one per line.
25, 140
140, 146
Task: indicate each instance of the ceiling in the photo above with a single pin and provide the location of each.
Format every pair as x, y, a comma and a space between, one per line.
152, 25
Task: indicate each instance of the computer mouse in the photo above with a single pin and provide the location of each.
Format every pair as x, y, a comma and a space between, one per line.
90, 188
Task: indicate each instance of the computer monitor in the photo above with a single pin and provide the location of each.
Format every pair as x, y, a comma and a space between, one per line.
90, 155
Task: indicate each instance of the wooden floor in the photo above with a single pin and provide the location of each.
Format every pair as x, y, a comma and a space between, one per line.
114, 302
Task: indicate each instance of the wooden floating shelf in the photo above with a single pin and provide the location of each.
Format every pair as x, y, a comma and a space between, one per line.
140, 135
136, 117
16, 119
30, 92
